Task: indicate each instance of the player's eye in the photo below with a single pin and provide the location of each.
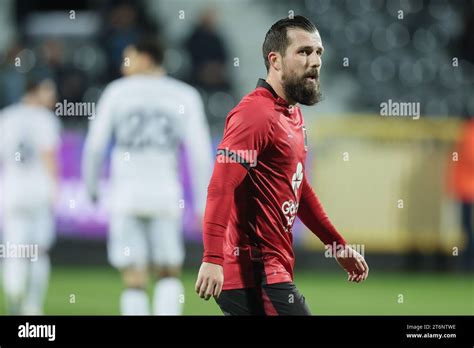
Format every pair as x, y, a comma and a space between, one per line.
306, 52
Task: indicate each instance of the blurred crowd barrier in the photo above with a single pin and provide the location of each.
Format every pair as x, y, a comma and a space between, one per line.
384, 182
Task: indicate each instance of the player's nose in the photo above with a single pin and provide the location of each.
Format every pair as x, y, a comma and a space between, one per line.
314, 60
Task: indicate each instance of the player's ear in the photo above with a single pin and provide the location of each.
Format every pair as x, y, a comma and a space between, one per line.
274, 58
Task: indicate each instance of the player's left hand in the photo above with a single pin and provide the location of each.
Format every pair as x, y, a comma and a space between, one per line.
354, 263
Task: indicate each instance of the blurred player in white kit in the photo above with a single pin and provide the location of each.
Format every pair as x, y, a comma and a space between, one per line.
30, 135
149, 115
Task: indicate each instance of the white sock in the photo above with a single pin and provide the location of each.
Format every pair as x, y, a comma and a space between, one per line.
168, 298
38, 279
15, 273
134, 302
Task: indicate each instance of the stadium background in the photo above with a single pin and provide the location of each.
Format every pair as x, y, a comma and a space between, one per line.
384, 181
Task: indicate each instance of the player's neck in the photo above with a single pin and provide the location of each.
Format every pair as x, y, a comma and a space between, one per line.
156, 71
278, 88
30, 101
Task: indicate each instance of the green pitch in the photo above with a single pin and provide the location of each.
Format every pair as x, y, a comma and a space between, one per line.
96, 291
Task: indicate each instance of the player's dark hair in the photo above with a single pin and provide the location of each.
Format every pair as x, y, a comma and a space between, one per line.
276, 39
151, 46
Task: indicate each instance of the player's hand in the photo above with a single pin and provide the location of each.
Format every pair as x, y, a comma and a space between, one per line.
210, 280
354, 263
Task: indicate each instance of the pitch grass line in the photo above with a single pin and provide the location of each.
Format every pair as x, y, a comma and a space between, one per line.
97, 290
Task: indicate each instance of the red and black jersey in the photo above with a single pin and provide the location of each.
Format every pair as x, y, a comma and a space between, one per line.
258, 188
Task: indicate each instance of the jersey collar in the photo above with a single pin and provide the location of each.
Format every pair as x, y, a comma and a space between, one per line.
264, 84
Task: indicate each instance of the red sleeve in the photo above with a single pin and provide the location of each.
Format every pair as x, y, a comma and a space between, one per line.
245, 137
311, 213
246, 134
220, 197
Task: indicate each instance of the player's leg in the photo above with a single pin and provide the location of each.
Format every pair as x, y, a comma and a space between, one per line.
128, 252
41, 235
283, 299
167, 243
241, 302
134, 299
15, 269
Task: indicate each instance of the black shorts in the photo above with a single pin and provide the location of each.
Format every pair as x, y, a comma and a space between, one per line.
268, 299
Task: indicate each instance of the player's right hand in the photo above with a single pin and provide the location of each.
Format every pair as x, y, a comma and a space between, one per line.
210, 280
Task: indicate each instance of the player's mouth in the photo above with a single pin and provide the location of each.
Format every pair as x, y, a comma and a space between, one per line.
311, 77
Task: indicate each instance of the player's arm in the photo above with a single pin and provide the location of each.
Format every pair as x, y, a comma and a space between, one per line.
197, 140
225, 179
312, 214
49, 144
243, 132
50, 159
97, 140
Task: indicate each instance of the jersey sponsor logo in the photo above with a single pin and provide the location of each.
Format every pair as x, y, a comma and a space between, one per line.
297, 178
290, 207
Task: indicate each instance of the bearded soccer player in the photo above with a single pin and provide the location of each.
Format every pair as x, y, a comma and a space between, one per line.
259, 185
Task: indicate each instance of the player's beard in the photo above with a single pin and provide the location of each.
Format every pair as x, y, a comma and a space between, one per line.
300, 89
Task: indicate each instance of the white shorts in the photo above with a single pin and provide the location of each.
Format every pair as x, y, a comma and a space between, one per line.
29, 227
140, 242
